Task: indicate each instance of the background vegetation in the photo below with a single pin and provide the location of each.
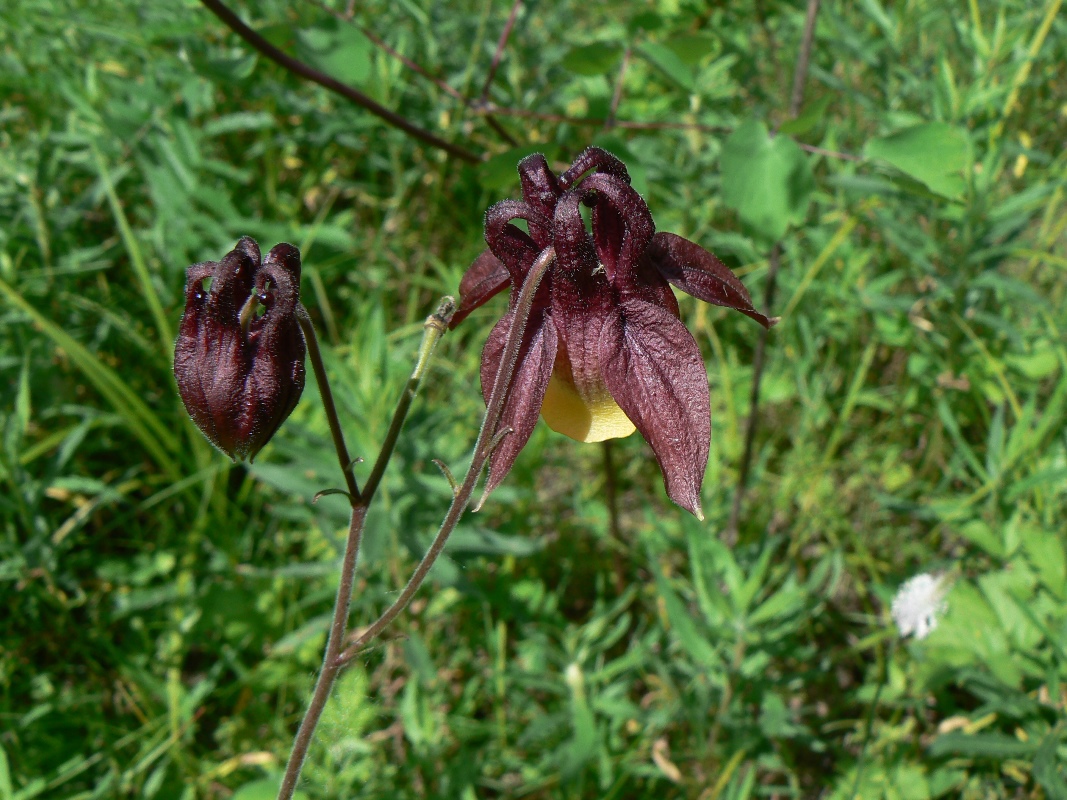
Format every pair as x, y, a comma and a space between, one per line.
165, 611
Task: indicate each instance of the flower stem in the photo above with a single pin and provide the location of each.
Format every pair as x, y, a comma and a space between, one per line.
482, 448
435, 326
327, 402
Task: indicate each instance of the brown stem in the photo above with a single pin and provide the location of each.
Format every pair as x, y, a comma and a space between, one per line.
800, 74
434, 328
616, 97
350, 93
482, 447
502, 42
330, 667
417, 69
504, 111
795, 101
328, 406
820, 151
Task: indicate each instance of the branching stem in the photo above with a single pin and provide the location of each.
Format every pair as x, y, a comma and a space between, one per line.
326, 81
482, 448
434, 328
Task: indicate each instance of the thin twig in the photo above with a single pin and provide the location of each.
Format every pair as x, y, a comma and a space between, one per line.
820, 151
616, 96
800, 74
445, 87
502, 42
381, 44
434, 328
504, 111
303, 70
796, 99
772, 43
482, 448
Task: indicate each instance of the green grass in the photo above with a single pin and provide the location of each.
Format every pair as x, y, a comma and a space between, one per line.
165, 611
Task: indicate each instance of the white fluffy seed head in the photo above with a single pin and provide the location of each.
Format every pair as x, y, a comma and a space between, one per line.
918, 603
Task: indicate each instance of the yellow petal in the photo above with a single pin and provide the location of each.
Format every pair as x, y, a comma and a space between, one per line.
591, 419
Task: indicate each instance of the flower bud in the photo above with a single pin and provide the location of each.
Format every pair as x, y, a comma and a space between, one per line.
239, 357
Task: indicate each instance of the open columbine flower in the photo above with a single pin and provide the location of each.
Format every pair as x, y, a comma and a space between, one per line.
604, 352
240, 373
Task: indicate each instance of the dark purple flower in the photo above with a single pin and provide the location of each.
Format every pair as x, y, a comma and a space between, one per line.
240, 372
604, 352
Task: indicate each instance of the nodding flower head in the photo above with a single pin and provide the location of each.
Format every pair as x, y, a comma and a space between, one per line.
604, 352
239, 357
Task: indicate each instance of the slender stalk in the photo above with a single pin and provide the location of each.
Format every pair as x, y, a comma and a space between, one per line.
796, 100
616, 96
482, 448
326, 81
506, 111
330, 670
500, 45
822, 151
327, 402
871, 711
436, 325
800, 74
434, 328
614, 528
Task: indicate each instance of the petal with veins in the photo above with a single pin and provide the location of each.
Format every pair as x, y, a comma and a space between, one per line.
532, 370
654, 370
697, 272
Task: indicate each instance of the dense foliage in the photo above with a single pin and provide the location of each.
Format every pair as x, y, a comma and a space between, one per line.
165, 610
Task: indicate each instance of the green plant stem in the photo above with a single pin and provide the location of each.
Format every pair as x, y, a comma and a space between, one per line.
869, 724
482, 448
327, 403
435, 326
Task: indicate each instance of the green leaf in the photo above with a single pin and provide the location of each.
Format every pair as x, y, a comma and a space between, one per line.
1046, 553
692, 48
667, 61
978, 532
1046, 770
592, 59
238, 121
264, 789
934, 153
981, 745
766, 180
683, 625
6, 791
499, 173
582, 746
811, 116
143, 422
341, 51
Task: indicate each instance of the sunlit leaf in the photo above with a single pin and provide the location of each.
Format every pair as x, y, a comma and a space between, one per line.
768, 181
934, 153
